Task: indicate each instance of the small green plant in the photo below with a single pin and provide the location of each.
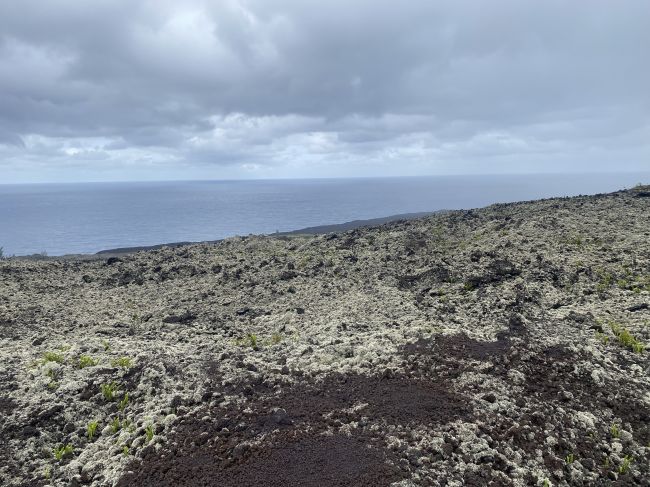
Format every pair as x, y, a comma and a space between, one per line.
570, 458
149, 431
252, 340
47, 473
108, 390
276, 338
115, 425
575, 240
136, 317
91, 429
615, 431
128, 425
602, 337
634, 282
624, 467
125, 451
546, 483
124, 362
625, 338
106, 345
53, 375
606, 281
53, 357
303, 263
86, 361
468, 286
62, 451
124, 402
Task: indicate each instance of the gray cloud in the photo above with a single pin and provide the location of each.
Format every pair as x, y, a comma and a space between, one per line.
116, 89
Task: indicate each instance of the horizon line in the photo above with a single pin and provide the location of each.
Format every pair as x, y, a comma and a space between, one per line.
321, 178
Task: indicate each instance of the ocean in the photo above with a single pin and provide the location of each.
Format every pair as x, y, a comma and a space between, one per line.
88, 217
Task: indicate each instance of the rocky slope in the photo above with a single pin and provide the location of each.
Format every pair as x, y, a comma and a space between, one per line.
500, 346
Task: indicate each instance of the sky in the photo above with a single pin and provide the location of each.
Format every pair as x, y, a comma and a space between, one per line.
116, 90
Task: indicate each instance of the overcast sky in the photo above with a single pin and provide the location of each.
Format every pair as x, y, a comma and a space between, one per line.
135, 89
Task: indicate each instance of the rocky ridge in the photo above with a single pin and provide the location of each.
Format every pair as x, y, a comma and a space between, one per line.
498, 346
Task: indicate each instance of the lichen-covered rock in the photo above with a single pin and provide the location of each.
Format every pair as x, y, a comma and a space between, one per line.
500, 346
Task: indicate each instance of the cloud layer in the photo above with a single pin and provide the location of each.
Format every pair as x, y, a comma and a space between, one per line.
157, 89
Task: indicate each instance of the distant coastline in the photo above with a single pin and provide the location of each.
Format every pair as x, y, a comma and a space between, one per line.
335, 227
64, 220
314, 230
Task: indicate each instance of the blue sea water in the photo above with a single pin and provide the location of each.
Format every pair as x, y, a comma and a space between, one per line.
88, 217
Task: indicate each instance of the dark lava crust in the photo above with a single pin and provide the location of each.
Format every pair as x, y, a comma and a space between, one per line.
296, 437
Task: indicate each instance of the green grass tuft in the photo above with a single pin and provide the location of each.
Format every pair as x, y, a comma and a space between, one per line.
124, 362
86, 361
624, 467
91, 429
53, 357
602, 337
124, 402
605, 282
149, 431
108, 390
62, 451
626, 338
250, 340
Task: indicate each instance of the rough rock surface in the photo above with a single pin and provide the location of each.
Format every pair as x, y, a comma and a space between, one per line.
499, 346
